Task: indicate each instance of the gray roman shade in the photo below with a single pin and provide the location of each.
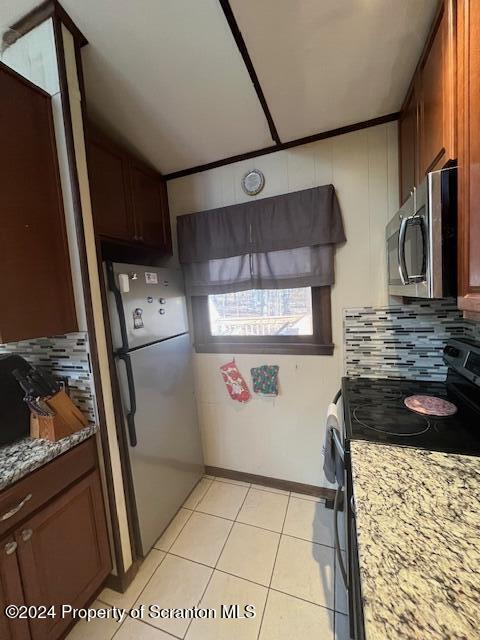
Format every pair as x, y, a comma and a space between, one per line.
271, 243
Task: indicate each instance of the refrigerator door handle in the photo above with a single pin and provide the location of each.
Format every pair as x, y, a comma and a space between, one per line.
118, 303
132, 432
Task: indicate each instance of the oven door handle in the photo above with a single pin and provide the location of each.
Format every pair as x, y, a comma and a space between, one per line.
402, 263
402, 267
338, 445
341, 564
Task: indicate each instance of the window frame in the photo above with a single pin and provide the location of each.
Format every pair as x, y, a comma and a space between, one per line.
319, 343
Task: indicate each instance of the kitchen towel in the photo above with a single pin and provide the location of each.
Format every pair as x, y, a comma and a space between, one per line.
332, 464
234, 381
265, 380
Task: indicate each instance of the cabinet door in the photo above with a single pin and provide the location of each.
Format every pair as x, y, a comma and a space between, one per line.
64, 554
437, 101
109, 190
469, 157
36, 284
407, 133
11, 592
149, 205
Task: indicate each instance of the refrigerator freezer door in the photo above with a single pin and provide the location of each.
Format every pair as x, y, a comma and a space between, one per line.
167, 460
154, 307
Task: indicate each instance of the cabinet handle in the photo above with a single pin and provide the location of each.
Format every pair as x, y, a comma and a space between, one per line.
27, 534
10, 548
15, 509
352, 506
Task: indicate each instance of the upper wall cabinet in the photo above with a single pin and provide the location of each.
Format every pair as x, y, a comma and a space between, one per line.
149, 198
407, 130
428, 118
129, 200
469, 157
109, 191
437, 95
36, 285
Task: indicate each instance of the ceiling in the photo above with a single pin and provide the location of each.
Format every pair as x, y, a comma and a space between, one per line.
166, 77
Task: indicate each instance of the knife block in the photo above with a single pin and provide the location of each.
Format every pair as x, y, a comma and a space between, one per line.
67, 419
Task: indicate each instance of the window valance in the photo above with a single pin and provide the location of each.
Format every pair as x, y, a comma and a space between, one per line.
279, 242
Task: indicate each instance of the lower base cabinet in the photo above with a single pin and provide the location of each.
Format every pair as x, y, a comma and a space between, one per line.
59, 556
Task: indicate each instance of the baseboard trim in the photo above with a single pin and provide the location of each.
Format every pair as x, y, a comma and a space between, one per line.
274, 483
121, 583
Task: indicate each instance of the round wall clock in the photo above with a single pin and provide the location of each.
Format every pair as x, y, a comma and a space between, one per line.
253, 182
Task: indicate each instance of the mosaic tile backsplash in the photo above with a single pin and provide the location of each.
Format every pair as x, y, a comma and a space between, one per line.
66, 357
402, 341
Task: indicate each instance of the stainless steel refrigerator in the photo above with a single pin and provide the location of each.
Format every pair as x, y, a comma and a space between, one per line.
153, 354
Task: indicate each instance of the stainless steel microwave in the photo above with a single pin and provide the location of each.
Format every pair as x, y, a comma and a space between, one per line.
421, 240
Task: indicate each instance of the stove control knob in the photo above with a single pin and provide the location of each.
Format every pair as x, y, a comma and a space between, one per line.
162, 301
453, 352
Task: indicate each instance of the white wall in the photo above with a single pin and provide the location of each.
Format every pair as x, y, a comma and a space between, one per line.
283, 437
34, 57
98, 320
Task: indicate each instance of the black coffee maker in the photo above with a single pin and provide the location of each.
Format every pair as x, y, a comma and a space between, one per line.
14, 413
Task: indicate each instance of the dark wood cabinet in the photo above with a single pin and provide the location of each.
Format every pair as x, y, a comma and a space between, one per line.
129, 200
109, 192
11, 591
427, 122
63, 554
408, 148
59, 552
437, 94
36, 285
469, 157
150, 207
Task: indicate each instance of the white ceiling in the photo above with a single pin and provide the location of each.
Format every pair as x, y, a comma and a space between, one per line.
323, 64
165, 76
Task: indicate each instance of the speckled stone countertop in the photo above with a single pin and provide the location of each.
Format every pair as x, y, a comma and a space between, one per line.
24, 456
418, 528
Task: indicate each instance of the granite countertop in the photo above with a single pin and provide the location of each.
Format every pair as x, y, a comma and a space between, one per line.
418, 528
26, 455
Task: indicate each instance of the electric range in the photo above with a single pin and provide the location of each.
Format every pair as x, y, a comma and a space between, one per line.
375, 408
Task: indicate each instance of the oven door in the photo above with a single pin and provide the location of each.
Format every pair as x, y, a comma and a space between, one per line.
407, 251
355, 604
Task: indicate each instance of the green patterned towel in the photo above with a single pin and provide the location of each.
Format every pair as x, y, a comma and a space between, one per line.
265, 379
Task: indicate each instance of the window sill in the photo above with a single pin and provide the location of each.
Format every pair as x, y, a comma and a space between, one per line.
299, 349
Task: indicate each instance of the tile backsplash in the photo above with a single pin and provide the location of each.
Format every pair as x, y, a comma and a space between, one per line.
66, 357
404, 341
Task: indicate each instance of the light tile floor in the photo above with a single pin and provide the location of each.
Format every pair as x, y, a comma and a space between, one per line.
235, 543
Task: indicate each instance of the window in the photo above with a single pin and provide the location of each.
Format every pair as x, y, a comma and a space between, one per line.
262, 312
295, 321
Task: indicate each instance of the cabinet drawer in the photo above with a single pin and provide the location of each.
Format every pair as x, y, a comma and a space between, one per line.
44, 484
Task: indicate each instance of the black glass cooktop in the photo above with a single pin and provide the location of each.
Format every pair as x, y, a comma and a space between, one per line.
375, 411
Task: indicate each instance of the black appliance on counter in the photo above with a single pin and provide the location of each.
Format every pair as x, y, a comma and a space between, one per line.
14, 413
375, 410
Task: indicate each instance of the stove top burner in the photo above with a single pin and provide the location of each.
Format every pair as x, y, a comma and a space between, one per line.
391, 421
430, 406
375, 411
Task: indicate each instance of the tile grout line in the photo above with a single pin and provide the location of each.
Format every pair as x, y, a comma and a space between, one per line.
282, 492
273, 568
258, 584
289, 535
216, 563
235, 483
152, 626
269, 587
140, 594
203, 495
181, 529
